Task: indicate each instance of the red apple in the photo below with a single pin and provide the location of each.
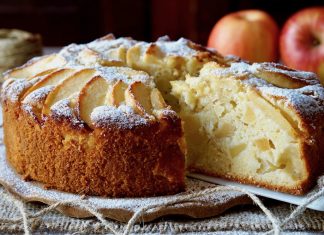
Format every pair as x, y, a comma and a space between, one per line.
302, 41
249, 34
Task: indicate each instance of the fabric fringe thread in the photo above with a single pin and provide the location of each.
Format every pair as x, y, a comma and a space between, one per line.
277, 226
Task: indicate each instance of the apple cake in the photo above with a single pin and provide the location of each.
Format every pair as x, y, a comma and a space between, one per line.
120, 117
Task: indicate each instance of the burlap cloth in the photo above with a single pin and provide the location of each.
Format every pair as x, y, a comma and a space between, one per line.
242, 218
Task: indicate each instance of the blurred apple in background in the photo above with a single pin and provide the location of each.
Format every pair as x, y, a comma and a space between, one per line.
249, 34
302, 41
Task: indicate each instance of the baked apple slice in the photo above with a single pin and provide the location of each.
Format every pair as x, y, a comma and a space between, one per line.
282, 76
117, 94
92, 95
53, 78
45, 72
33, 67
34, 101
69, 87
117, 54
157, 100
138, 96
90, 57
14, 89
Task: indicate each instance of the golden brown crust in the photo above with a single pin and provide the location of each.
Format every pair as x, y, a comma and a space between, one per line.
106, 161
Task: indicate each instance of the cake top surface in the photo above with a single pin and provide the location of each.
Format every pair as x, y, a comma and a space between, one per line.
111, 95
108, 49
61, 81
102, 46
125, 74
108, 42
181, 47
38, 87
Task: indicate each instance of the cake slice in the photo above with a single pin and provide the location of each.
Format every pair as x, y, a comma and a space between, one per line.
260, 124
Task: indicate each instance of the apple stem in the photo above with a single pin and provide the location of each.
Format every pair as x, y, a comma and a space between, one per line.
316, 42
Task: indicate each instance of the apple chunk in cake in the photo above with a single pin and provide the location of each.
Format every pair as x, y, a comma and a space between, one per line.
236, 128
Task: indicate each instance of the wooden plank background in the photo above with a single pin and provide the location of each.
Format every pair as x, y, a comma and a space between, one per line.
65, 21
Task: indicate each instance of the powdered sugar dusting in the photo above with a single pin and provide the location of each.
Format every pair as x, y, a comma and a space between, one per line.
70, 53
37, 96
177, 48
123, 117
170, 48
126, 109
308, 77
103, 46
257, 82
62, 110
308, 100
246, 69
7, 82
14, 90
125, 74
170, 113
236, 69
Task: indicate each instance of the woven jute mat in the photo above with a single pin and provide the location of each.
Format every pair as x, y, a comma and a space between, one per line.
241, 218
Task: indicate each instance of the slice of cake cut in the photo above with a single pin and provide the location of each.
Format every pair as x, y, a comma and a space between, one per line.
260, 124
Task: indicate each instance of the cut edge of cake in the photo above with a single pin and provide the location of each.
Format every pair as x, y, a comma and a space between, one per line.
260, 124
